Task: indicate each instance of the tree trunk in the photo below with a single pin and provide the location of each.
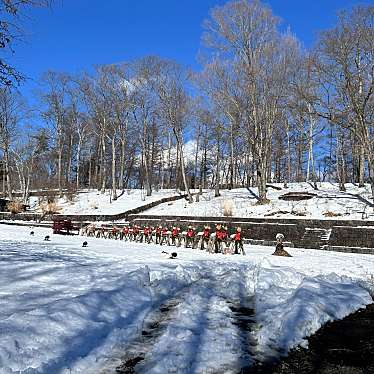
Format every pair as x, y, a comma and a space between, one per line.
340, 163
161, 172
310, 164
70, 160
203, 176
217, 174
262, 178
299, 165
197, 157
177, 185
248, 169
27, 186
7, 173
103, 166
288, 157
169, 161
145, 145
78, 162
122, 165
369, 147
371, 173
89, 171
4, 180
361, 173
114, 185
20, 174
60, 170
231, 184
147, 176
183, 172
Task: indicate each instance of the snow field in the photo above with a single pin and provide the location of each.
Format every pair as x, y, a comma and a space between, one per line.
94, 202
68, 309
242, 203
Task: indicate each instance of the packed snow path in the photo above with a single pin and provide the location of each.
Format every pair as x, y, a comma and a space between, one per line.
198, 315
68, 309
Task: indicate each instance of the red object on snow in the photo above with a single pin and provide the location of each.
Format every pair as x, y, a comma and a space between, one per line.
63, 227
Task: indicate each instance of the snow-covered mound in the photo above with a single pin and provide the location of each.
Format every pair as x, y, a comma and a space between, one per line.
94, 202
329, 203
68, 309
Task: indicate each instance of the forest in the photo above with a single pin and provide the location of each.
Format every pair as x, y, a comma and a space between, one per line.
261, 109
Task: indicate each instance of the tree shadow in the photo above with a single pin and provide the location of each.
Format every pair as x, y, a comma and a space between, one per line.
92, 307
362, 199
253, 193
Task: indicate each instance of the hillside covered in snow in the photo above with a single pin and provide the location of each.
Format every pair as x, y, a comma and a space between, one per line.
95, 202
328, 202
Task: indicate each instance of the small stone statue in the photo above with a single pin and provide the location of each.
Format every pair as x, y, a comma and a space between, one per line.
279, 249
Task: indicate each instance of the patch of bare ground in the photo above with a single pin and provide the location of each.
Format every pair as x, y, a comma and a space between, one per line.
339, 347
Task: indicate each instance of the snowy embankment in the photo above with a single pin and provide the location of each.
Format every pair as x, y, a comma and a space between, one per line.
94, 202
64, 308
329, 203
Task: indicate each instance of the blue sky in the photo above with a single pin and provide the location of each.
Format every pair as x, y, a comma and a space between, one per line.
77, 34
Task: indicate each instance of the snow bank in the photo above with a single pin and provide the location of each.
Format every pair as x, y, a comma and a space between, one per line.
287, 313
51, 336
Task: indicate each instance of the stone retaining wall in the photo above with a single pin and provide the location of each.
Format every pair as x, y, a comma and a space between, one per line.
352, 236
20, 216
28, 224
360, 250
304, 222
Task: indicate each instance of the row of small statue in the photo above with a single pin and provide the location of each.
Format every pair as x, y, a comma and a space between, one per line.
216, 241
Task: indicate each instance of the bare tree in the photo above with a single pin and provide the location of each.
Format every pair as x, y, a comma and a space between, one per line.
344, 69
174, 104
12, 111
24, 159
145, 106
245, 33
12, 15
56, 99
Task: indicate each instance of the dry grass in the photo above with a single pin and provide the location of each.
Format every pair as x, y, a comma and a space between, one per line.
227, 208
94, 205
42, 200
50, 208
262, 202
298, 213
331, 214
15, 207
70, 196
276, 212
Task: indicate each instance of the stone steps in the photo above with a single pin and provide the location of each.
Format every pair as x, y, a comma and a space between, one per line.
314, 238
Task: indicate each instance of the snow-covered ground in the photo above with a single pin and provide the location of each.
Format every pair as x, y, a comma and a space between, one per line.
68, 309
94, 202
330, 203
